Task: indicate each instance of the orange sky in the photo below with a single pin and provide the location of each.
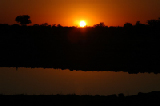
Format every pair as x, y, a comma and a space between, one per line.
70, 12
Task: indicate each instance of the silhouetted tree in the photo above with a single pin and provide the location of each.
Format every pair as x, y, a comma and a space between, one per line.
100, 25
59, 25
23, 20
45, 24
138, 23
54, 25
127, 25
154, 23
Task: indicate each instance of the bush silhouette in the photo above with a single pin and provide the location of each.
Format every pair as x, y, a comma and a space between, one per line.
23, 20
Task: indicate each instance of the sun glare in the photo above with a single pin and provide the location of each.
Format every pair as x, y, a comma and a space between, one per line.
82, 23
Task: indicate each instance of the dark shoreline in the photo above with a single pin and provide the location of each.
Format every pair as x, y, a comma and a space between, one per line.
129, 72
151, 98
130, 48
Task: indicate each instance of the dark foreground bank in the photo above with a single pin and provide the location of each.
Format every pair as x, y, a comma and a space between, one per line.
142, 99
130, 48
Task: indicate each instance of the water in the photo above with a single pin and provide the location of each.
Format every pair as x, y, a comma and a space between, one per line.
39, 81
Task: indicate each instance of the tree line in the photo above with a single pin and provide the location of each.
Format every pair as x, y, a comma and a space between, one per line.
25, 19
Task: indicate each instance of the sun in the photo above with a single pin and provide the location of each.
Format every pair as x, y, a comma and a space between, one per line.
82, 23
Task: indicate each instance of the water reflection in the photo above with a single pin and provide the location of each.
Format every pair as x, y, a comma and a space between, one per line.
56, 81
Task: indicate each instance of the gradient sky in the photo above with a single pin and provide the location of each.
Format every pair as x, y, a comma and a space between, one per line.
70, 12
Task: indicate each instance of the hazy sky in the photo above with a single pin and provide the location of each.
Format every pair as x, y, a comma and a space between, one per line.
70, 12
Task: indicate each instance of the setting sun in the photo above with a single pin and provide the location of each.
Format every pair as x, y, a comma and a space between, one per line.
82, 23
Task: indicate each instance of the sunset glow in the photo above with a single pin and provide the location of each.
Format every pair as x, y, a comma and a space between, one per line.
70, 12
82, 23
